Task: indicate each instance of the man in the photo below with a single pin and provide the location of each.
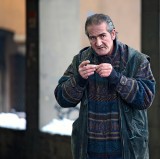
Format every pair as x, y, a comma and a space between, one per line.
114, 85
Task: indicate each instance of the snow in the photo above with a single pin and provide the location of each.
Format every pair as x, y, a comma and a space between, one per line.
11, 120
56, 126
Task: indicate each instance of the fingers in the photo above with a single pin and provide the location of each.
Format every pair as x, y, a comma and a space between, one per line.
84, 63
86, 69
104, 69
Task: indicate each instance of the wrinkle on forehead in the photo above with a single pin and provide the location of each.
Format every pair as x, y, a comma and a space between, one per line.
96, 30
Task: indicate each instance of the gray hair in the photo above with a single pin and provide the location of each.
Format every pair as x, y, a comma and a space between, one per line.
98, 19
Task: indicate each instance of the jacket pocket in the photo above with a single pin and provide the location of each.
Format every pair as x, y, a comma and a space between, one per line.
138, 136
139, 143
139, 147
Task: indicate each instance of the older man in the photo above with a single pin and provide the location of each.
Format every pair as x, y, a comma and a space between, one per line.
115, 86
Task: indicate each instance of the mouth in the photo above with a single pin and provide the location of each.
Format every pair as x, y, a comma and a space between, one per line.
99, 48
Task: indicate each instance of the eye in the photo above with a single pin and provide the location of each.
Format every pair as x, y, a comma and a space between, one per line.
92, 38
103, 36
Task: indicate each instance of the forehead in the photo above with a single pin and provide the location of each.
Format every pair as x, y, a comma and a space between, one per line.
96, 29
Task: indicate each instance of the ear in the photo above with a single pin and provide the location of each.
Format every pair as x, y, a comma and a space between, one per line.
113, 34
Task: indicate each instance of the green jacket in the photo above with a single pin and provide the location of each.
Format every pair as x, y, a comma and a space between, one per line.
136, 91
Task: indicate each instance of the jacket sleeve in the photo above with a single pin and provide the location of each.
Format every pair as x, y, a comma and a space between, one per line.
71, 86
137, 90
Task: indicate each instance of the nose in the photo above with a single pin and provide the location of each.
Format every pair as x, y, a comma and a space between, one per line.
98, 41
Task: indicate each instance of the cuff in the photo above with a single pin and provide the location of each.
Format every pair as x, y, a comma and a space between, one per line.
114, 77
81, 81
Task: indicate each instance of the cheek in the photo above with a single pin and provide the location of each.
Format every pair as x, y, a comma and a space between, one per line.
93, 45
109, 43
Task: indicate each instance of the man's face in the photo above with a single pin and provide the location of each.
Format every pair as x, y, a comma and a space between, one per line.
100, 39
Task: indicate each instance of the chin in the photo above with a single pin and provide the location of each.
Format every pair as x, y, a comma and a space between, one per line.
102, 53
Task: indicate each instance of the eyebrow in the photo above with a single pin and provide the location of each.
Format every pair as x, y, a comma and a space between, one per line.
97, 35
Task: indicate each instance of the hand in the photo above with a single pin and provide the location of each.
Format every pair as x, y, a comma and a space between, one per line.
86, 69
104, 69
